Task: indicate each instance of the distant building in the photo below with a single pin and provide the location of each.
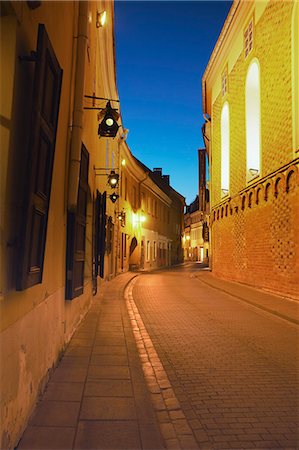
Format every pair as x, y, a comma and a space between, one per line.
196, 219
152, 238
251, 106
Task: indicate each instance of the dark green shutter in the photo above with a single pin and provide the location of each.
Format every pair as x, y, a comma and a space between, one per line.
44, 118
102, 233
76, 233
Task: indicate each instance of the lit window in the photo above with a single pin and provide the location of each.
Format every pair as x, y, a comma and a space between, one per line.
148, 249
295, 76
253, 120
225, 149
248, 38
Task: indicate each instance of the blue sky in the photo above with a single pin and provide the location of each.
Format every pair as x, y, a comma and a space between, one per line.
162, 49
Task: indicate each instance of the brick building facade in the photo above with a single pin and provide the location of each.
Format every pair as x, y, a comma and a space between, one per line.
250, 101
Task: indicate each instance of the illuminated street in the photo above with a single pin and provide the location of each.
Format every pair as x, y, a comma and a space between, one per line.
233, 367
159, 364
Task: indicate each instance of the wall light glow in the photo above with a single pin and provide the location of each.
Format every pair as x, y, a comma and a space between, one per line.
225, 149
253, 119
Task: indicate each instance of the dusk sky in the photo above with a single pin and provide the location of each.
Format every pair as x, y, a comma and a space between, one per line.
162, 49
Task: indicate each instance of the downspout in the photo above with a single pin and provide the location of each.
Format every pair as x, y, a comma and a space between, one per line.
77, 126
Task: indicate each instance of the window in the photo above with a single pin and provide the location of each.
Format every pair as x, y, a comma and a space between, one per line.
134, 197
295, 76
225, 149
248, 38
126, 188
224, 87
155, 250
46, 99
100, 233
76, 230
148, 249
253, 120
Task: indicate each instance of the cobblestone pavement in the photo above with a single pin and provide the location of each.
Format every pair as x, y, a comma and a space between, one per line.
232, 368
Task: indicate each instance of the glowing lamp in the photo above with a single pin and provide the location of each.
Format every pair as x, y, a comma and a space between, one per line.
108, 126
113, 197
113, 179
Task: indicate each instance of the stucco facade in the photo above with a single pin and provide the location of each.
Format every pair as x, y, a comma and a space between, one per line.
60, 233
250, 100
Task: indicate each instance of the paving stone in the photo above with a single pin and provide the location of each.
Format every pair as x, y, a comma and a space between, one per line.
47, 438
109, 372
64, 391
109, 360
77, 342
107, 408
116, 435
72, 375
55, 414
108, 388
70, 362
78, 351
168, 431
173, 444
109, 350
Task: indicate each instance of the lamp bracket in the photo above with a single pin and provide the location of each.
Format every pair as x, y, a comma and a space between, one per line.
101, 98
105, 168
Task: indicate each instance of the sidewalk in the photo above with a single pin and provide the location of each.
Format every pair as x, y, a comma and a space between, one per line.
97, 397
280, 306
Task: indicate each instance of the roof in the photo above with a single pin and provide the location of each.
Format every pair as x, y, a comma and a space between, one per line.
159, 181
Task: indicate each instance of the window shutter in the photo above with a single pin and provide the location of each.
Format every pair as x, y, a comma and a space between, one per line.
102, 233
44, 118
76, 231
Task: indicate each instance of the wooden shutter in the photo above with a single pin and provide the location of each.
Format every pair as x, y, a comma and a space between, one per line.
76, 232
44, 118
102, 233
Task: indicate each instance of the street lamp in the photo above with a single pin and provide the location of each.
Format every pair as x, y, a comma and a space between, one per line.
108, 127
107, 117
113, 197
113, 179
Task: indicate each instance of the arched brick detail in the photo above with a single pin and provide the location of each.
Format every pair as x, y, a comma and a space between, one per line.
250, 196
291, 177
268, 189
258, 195
243, 202
277, 186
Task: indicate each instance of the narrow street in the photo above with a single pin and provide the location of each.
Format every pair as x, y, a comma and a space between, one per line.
165, 360
233, 367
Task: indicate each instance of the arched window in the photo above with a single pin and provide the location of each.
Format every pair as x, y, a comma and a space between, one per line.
253, 120
295, 76
225, 149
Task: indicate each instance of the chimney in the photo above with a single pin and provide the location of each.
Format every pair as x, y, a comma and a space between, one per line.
166, 178
158, 170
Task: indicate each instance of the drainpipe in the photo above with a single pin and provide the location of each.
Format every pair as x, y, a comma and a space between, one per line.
76, 140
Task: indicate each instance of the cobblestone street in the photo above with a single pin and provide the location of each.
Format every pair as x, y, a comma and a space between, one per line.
233, 367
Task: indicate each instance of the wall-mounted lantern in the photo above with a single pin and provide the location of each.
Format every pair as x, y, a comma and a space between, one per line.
121, 217
113, 197
108, 117
108, 126
113, 179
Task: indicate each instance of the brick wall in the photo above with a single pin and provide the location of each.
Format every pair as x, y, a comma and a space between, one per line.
255, 230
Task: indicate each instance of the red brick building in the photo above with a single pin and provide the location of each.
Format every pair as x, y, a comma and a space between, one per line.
250, 101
